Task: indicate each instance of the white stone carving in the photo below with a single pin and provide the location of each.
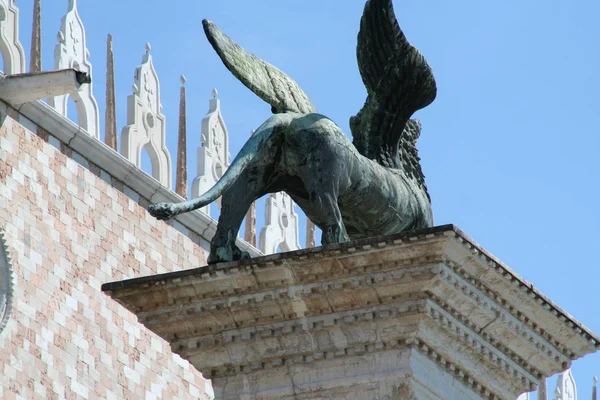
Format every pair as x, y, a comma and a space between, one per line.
565, 387
146, 123
71, 52
281, 224
524, 396
12, 51
213, 155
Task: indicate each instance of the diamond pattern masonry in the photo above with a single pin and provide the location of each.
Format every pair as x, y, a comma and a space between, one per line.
71, 227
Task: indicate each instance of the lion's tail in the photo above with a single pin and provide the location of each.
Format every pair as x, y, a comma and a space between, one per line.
239, 164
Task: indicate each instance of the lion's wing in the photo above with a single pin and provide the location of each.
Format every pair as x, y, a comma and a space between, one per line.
398, 80
266, 81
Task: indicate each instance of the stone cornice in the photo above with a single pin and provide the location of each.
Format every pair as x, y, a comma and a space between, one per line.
476, 385
435, 286
435, 309
520, 285
403, 344
492, 319
296, 273
522, 300
502, 364
98, 153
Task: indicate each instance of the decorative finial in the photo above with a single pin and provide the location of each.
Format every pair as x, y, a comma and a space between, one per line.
148, 48
311, 239
182, 79
72, 5
595, 380
35, 62
181, 173
542, 389
110, 116
250, 226
215, 93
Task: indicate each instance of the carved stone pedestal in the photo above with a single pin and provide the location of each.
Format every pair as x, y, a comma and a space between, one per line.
423, 315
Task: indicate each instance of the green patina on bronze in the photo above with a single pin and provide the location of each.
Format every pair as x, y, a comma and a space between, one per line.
369, 187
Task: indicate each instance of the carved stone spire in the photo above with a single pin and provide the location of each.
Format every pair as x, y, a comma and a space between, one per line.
13, 54
595, 389
310, 234
250, 230
542, 390
566, 389
213, 155
71, 52
281, 225
181, 182
146, 127
557, 394
35, 64
110, 117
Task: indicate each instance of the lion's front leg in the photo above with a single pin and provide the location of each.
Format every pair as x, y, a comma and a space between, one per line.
334, 233
332, 225
224, 249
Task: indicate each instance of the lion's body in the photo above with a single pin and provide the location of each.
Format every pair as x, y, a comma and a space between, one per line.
373, 200
369, 187
308, 156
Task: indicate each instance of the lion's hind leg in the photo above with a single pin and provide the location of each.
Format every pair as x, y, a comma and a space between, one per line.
322, 149
324, 178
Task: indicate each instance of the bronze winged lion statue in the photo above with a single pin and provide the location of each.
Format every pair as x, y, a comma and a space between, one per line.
368, 187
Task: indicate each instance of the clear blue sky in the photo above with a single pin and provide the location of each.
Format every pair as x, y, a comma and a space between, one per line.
509, 148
